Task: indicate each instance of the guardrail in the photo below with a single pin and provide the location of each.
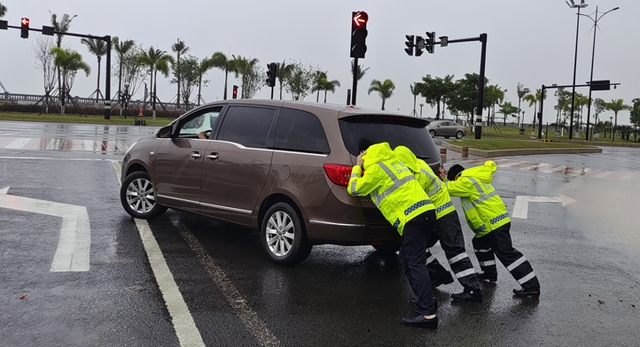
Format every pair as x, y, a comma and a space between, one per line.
31, 99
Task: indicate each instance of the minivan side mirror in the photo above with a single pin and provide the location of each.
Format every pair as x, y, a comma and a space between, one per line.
165, 132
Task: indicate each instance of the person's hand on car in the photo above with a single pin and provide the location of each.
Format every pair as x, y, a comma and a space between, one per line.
359, 160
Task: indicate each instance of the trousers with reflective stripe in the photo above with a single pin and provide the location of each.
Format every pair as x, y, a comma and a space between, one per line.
497, 244
449, 232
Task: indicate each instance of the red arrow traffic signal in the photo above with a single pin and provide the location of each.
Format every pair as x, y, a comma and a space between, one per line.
360, 18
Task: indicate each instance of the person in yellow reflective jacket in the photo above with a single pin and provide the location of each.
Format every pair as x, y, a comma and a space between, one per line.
447, 230
489, 219
398, 195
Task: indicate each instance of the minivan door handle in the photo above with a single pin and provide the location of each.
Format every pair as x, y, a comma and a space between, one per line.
195, 155
212, 156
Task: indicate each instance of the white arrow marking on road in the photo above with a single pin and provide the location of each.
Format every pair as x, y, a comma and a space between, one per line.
520, 210
74, 246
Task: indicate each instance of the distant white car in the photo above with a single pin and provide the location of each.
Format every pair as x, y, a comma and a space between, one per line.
446, 128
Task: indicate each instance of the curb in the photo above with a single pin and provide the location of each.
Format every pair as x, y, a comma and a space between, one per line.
513, 152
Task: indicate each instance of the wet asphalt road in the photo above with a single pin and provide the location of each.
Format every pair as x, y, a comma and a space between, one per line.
585, 255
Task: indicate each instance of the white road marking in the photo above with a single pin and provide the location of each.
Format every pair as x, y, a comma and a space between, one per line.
256, 327
628, 177
183, 323
17, 143
74, 247
520, 210
88, 145
603, 174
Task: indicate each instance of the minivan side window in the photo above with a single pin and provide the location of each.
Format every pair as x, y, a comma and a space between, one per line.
198, 122
246, 125
300, 131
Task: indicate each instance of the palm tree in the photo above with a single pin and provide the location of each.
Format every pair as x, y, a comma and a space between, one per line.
121, 48
616, 106
3, 10
449, 88
317, 86
360, 71
415, 92
98, 48
384, 89
155, 60
69, 63
533, 101
205, 65
493, 95
179, 48
329, 86
60, 27
219, 60
522, 92
284, 70
243, 69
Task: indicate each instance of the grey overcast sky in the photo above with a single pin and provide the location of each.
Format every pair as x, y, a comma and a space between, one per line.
531, 42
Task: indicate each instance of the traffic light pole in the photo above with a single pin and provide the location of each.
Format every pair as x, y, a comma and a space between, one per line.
355, 81
483, 39
107, 88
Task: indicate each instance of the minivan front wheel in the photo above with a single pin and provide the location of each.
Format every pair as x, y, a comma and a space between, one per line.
282, 236
138, 198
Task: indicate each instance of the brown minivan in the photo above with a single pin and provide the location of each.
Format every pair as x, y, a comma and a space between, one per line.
278, 166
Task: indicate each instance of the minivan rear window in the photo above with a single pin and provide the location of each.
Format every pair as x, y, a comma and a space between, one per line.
359, 132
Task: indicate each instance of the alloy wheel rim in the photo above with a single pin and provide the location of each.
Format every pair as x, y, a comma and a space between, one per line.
140, 195
280, 233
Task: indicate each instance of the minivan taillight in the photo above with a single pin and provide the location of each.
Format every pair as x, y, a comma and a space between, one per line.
338, 174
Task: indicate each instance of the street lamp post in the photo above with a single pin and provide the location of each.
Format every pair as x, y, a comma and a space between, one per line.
575, 62
593, 54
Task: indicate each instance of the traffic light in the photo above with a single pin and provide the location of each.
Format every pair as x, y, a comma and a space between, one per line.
235, 92
430, 41
419, 45
410, 44
358, 34
272, 72
24, 28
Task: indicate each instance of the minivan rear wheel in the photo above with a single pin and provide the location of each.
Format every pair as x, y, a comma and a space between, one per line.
283, 237
138, 198
459, 134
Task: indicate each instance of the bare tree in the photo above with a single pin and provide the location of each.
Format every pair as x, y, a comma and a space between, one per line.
45, 62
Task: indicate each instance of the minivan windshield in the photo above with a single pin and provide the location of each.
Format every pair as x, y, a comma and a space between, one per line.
361, 131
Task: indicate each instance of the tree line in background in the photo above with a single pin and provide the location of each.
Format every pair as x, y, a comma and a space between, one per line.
134, 65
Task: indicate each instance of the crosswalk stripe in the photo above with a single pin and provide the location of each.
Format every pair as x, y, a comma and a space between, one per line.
628, 177
17, 143
603, 174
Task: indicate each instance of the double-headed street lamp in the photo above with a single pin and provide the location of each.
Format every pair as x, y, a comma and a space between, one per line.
575, 61
593, 53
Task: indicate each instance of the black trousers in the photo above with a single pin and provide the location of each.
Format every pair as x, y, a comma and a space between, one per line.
449, 232
497, 243
413, 259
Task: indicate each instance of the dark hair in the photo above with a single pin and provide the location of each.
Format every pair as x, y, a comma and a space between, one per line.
363, 144
454, 171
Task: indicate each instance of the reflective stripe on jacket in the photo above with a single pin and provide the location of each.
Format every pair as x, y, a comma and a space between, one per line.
483, 208
392, 186
428, 180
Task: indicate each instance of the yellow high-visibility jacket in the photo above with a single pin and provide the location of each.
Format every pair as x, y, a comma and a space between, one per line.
483, 208
428, 180
393, 188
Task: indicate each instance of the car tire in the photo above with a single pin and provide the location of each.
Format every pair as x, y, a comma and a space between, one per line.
386, 248
459, 134
138, 198
282, 235
432, 133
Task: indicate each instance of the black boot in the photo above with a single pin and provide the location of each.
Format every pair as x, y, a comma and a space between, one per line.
466, 296
486, 276
526, 292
